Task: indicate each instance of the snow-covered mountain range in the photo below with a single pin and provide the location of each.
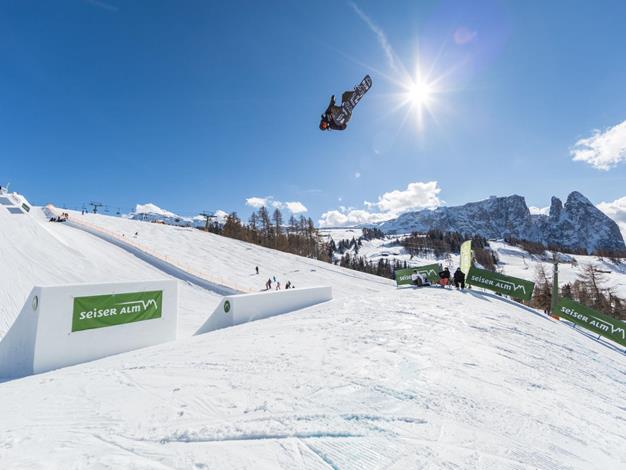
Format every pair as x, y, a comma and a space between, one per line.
576, 225
152, 213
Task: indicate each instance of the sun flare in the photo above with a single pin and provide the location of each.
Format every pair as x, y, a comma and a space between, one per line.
420, 93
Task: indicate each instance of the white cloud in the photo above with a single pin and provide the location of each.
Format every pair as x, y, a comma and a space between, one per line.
415, 196
390, 205
338, 218
603, 150
380, 35
357, 175
220, 216
616, 210
295, 207
539, 210
256, 202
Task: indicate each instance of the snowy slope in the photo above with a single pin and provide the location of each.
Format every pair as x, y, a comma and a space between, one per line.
37, 252
378, 378
230, 261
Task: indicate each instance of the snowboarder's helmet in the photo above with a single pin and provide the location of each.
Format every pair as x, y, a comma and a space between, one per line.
323, 125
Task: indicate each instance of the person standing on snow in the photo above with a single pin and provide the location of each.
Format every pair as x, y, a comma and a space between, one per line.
257, 270
459, 278
444, 277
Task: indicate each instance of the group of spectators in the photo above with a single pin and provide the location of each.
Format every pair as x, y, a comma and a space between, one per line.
444, 278
61, 218
275, 283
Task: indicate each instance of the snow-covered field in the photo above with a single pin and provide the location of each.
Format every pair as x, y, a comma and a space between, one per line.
513, 261
377, 378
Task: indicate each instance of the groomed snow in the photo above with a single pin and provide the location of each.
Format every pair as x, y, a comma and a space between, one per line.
377, 378
37, 252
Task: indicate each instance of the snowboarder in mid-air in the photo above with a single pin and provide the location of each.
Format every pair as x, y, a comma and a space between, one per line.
337, 117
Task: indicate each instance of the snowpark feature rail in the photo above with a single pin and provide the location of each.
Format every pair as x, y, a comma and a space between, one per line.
162, 262
237, 309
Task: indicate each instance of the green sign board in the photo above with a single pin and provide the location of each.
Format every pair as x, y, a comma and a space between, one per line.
592, 320
99, 311
430, 272
507, 285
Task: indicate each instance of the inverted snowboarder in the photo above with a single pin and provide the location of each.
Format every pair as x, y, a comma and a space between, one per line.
337, 117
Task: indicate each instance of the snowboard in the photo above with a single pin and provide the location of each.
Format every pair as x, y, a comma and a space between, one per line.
346, 108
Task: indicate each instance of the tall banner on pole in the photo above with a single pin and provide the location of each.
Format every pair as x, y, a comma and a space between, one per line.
466, 256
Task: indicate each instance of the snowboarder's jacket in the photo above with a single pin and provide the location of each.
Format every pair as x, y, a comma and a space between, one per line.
445, 274
459, 276
328, 118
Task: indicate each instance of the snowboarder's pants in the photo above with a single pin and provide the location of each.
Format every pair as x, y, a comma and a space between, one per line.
459, 283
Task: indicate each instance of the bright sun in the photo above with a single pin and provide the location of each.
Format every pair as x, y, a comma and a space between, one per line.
420, 93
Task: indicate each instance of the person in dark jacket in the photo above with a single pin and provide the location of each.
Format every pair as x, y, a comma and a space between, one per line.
444, 277
459, 278
328, 120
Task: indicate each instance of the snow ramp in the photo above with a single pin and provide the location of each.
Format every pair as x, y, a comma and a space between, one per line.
169, 266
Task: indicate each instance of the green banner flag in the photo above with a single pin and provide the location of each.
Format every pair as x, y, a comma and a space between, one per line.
592, 320
466, 257
99, 311
511, 286
430, 272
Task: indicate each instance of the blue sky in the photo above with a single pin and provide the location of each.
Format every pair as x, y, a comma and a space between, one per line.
196, 105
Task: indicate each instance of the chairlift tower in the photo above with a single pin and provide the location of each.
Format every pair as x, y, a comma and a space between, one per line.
95, 206
208, 216
555, 283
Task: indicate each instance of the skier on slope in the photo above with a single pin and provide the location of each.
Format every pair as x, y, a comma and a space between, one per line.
328, 120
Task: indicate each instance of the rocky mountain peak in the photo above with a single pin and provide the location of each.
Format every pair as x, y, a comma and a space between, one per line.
556, 207
577, 225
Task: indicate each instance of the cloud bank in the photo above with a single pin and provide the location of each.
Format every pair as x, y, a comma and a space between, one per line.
295, 207
416, 196
603, 150
616, 210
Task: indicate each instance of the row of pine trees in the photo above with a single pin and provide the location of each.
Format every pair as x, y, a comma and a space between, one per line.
298, 236
589, 289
